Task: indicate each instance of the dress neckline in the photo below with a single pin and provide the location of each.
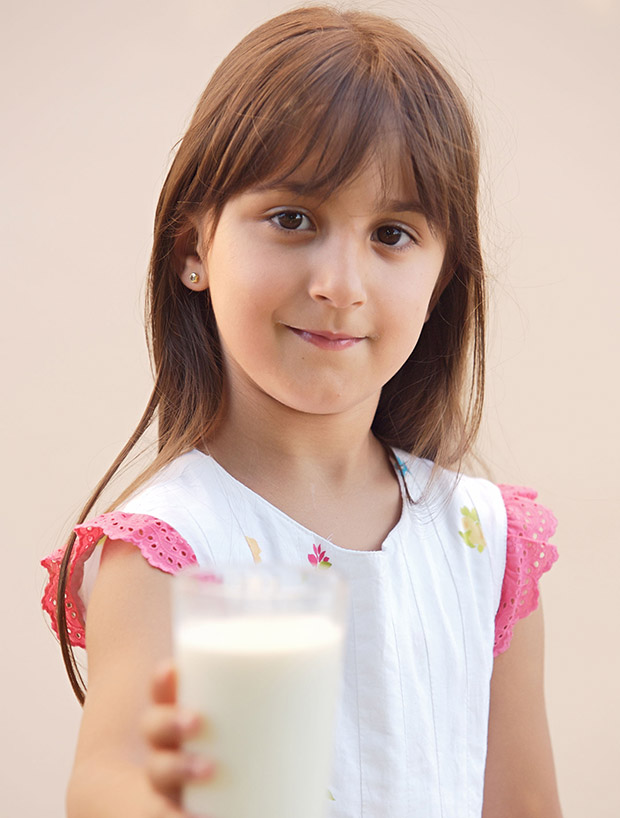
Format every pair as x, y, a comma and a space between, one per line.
400, 472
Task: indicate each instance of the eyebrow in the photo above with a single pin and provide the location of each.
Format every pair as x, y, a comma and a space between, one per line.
289, 185
403, 206
300, 189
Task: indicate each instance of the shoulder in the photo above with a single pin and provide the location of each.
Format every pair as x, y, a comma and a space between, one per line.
515, 509
468, 517
180, 481
474, 503
158, 521
185, 494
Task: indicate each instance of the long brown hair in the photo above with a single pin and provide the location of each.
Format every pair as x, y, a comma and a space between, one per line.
331, 88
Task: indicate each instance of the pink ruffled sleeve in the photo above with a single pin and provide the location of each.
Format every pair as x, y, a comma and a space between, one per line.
159, 543
528, 556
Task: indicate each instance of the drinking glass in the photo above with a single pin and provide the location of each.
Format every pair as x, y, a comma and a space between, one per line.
259, 653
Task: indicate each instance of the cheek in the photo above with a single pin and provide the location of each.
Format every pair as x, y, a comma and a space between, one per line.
407, 307
404, 321
247, 275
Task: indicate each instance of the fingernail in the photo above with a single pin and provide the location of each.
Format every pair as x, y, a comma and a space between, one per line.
188, 722
199, 767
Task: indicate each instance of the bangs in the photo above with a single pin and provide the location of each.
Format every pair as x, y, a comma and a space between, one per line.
330, 133
332, 143
325, 102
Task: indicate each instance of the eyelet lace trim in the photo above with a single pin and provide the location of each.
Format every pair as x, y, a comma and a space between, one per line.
528, 556
159, 543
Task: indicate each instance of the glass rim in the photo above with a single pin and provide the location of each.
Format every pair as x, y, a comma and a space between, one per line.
259, 580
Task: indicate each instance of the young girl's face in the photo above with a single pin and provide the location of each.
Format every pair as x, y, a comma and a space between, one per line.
319, 303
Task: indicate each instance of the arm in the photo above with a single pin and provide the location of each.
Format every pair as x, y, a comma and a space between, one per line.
520, 776
128, 634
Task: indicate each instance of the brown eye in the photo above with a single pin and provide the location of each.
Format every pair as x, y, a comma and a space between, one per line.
390, 235
289, 219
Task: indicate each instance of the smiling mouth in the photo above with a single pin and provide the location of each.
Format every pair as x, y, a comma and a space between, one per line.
327, 340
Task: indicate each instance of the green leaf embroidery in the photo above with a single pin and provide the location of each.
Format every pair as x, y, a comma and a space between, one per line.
472, 535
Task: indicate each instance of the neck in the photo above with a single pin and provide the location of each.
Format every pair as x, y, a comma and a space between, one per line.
261, 438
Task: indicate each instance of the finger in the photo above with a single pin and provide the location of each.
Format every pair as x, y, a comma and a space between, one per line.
162, 807
165, 726
168, 771
164, 684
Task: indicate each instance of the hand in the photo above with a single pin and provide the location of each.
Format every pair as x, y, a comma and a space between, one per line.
165, 728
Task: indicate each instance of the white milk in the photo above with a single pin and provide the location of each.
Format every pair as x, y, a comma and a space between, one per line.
267, 686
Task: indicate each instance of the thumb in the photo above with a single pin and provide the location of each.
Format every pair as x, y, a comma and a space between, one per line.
164, 684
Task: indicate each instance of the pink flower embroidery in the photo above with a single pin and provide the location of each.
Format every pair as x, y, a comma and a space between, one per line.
319, 558
205, 576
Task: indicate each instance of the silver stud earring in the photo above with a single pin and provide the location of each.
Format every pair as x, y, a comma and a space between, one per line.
194, 278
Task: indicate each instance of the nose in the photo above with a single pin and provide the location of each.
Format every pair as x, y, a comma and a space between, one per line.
339, 275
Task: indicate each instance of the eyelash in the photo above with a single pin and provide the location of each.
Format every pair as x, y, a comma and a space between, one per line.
274, 216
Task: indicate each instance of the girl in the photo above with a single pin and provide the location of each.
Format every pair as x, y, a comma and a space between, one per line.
316, 303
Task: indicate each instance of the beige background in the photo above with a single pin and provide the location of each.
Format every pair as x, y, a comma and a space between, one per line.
94, 96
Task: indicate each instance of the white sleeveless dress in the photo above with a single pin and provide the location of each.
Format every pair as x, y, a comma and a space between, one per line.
427, 614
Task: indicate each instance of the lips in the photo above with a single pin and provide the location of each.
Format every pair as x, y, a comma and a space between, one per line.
327, 340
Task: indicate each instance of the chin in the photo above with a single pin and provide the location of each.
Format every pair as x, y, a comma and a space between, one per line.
326, 403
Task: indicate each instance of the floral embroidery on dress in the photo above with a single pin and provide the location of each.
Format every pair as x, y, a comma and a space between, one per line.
330, 796
254, 548
319, 558
472, 536
404, 468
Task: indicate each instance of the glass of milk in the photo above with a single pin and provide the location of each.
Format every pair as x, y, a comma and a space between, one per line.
259, 653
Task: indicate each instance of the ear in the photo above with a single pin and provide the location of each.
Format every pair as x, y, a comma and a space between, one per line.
192, 270
194, 274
